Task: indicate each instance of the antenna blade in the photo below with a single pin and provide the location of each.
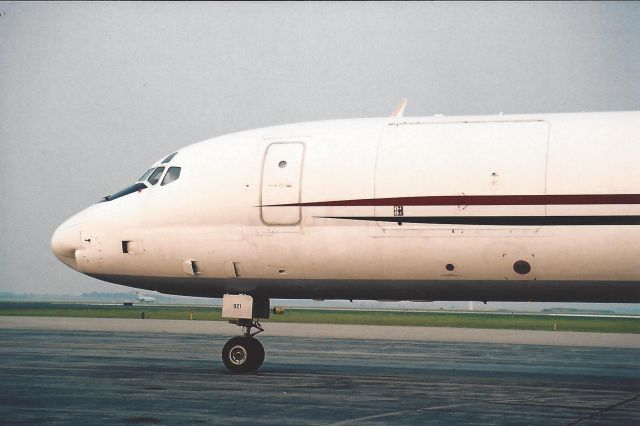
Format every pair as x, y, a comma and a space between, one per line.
399, 111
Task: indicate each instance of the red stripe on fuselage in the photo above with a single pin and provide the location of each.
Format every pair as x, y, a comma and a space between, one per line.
479, 200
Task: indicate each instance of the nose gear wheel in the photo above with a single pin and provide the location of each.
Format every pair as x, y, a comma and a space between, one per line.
244, 354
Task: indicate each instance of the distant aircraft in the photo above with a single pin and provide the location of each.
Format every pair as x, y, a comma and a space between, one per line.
144, 299
538, 207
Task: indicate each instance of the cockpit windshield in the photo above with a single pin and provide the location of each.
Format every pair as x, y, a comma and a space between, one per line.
146, 175
169, 158
152, 177
155, 176
172, 174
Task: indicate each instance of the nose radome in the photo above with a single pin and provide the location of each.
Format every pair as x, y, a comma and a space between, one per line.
64, 243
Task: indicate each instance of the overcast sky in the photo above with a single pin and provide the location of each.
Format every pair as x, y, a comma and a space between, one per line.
92, 94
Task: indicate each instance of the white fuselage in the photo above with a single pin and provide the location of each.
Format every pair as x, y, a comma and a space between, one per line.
530, 207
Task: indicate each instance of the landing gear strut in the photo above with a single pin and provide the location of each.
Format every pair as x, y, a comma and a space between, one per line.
244, 354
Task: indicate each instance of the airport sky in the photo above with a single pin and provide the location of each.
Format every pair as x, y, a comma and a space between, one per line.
91, 94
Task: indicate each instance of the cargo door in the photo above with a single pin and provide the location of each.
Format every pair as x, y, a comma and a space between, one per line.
281, 175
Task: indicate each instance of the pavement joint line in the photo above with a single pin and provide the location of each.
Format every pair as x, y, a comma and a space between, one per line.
605, 409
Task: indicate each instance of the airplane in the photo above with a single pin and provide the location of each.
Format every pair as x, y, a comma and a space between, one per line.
144, 299
532, 207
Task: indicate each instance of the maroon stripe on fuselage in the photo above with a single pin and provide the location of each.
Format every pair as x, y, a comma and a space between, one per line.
479, 200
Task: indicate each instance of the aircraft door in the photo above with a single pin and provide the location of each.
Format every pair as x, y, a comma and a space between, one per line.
281, 175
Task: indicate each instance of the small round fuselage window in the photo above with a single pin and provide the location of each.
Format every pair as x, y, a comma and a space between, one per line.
522, 267
282, 164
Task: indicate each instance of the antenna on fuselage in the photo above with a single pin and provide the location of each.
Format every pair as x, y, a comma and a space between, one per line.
399, 111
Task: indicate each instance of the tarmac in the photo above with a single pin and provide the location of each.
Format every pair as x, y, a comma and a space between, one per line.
105, 371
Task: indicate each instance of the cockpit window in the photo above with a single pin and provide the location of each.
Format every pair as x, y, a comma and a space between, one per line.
146, 175
169, 158
155, 176
172, 174
128, 190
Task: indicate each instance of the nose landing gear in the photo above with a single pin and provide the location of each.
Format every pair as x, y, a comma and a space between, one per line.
244, 354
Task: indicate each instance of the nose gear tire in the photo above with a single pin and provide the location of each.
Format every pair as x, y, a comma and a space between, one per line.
243, 354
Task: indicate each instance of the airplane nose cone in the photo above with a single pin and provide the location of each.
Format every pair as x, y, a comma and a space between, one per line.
65, 242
